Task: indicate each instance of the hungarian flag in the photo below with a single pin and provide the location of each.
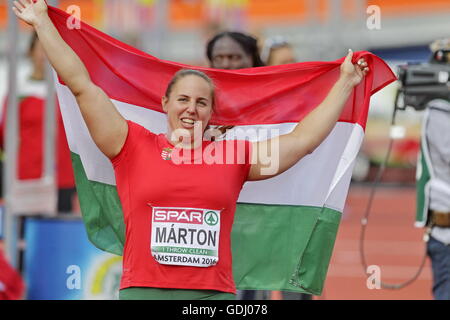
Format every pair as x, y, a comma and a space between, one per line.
285, 227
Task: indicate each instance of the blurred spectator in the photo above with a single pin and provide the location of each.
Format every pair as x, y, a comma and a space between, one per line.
32, 94
436, 151
277, 51
233, 50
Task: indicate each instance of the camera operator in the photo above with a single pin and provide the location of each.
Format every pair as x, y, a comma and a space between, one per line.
433, 185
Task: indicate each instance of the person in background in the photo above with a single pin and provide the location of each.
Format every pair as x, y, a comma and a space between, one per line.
433, 183
277, 51
233, 50
32, 93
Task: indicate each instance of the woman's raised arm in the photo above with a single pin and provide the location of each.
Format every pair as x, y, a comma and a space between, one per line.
106, 125
314, 128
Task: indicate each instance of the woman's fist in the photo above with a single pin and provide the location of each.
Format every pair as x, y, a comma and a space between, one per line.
353, 73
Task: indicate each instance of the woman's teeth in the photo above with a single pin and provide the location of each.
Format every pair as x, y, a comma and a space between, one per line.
189, 121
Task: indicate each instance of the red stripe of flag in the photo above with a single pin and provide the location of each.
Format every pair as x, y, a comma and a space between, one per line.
265, 95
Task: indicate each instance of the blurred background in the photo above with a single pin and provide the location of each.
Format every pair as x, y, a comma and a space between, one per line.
399, 31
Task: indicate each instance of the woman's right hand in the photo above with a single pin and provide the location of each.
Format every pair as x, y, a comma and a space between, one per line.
30, 11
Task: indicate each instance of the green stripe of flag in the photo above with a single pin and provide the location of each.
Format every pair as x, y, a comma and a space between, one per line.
283, 247
101, 210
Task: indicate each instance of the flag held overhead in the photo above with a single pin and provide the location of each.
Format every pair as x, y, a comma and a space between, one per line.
285, 227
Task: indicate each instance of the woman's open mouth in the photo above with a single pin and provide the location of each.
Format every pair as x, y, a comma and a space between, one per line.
187, 123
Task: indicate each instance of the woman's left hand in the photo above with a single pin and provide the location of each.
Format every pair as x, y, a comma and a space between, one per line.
353, 73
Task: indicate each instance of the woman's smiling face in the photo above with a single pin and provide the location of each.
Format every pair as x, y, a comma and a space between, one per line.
189, 106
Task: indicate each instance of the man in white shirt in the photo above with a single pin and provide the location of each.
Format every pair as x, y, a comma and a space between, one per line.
435, 192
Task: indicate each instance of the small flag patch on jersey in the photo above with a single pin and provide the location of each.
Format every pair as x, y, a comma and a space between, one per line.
165, 154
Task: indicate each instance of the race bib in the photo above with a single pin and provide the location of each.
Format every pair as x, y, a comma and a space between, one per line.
185, 236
